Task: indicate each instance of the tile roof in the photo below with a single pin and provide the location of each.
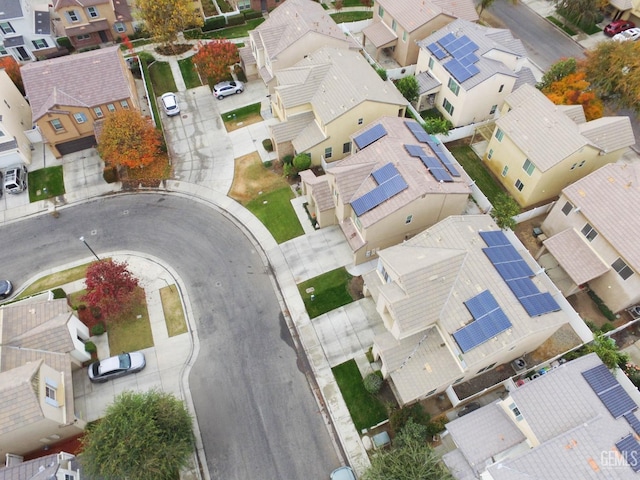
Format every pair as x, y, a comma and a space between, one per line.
379, 34
287, 131
426, 82
77, 3
10, 9
19, 404
43, 468
412, 14
609, 133
572, 250
321, 191
84, 79
612, 188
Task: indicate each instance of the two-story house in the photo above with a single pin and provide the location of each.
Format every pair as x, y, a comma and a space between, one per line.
92, 22
26, 30
293, 30
68, 95
398, 24
15, 120
538, 148
592, 233
257, 5
326, 97
397, 181
466, 71
456, 300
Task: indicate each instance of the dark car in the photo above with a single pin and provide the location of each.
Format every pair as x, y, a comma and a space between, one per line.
618, 26
5, 288
468, 408
117, 366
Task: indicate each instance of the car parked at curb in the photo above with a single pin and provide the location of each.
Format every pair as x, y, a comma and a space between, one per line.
117, 366
5, 288
343, 473
618, 26
631, 34
170, 104
224, 89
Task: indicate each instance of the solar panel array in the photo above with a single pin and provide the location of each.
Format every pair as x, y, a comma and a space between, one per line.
488, 321
633, 421
436, 169
418, 131
441, 167
461, 49
436, 50
437, 149
630, 450
390, 183
516, 273
609, 391
368, 137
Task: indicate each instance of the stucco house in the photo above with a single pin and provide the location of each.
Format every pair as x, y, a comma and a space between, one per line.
624, 9
57, 466
92, 22
578, 420
537, 148
326, 97
68, 95
456, 300
592, 235
394, 184
291, 32
15, 120
26, 30
41, 343
466, 71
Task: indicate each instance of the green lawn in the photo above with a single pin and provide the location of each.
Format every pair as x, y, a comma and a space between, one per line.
366, 410
45, 183
189, 73
343, 17
162, 78
237, 31
146, 59
477, 171
329, 292
242, 113
275, 211
55, 280
558, 23
349, 3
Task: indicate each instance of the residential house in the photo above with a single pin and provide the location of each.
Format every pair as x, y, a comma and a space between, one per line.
456, 300
577, 420
624, 9
398, 181
467, 70
257, 5
25, 30
15, 119
68, 95
325, 98
292, 31
538, 148
57, 466
592, 235
92, 22
399, 24
41, 342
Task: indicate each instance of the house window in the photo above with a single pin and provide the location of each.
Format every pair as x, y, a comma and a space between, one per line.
528, 167
72, 16
493, 109
394, 25
57, 125
573, 166
84, 36
380, 11
519, 185
111, 107
98, 112
404, 36
490, 154
487, 368
567, 208
346, 147
6, 28
505, 170
501, 88
120, 27
581, 163
3, 51
408, 219
383, 273
80, 117
589, 232
622, 268
431, 62
40, 43
516, 411
69, 476
124, 104
328, 152
360, 121
499, 135
50, 392
92, 12
453, 86
431, 392
458, 380
447, 106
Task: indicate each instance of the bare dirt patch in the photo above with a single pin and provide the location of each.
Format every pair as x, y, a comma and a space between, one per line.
232, 125
176, 49
355, 287
252, 177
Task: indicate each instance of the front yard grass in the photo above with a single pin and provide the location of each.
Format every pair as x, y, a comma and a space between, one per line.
275, 211
55, 280
242, 116
189, 73
237, 31
46, 183
366, 410
173, 311
560, 24
343, 17
162, 78
330, 291
477, 171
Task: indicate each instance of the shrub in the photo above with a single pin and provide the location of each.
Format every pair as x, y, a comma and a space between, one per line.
372, 383
607, 327
58, 293
214, 23
287, 160
382, 73
240, 73
268, 146
249, 14
64, 42
302, 161
268, 164
400, 416
110, 174
606, 311
97, 329
235, 20
288, 170
436, 426
90, 347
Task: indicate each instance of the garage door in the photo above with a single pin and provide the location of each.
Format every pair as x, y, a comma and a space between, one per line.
76, 145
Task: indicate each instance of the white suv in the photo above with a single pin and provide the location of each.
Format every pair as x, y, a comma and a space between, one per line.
15, 179
224, 89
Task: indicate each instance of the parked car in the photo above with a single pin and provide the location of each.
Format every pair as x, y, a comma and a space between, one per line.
631, 34
343, 473
15, 179
468, 408
170, 104
115, 367
5, 288
618, 26
224, 89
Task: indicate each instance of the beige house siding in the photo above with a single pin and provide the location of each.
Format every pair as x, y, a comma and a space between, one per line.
15, 118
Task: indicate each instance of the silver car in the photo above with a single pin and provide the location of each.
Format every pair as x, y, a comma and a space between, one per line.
170, 104
224, 89
117, 366
343, 473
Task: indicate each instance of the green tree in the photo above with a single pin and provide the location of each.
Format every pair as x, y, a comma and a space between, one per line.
557, 72
437, 125
504, 209
143, 436
606, 348
409, 88
302, 161
579, 12
164, 19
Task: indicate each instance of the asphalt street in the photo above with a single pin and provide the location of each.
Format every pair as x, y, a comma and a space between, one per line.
257, 414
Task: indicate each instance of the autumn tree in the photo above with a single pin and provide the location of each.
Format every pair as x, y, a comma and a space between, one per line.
111, 287
13, 70
128, 139
164, 19
574, 90
214, 58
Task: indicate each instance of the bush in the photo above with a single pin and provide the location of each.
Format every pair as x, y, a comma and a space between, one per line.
250, 14
58, 293
110, 174
372, 383
436, 426
90, 347
607, 327
288, 170
302, 161
268, 164
214, 23
606, 311
97, 329
382, 73
64, 42
287, 160
399, 417
267, 144
235, 20
95, 312
240, 73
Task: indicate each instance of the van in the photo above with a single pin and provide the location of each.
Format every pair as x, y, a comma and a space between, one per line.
15, 179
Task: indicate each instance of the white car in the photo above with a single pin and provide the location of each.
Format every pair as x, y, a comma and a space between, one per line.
170, 104
631, 34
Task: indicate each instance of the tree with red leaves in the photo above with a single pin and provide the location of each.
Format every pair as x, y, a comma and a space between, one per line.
13, 70
214, 58
111, 287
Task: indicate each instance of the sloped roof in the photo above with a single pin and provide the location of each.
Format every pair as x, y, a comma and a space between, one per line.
609, 133
412, 14
380, 34
42, 468
321, 191
77, 3
287, 131
19, 403
612, 188
84, 79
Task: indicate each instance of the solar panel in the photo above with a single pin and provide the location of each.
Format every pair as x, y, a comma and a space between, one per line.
523, 287
367, 138
510, 270
414, 150
630, 450
479, 331
633, 421
539, 304
381, 193
610, 392
467, 60
384, 173
448, 164
473, 70
502, 254
600, 379
458, 71
481, 304
436, 169
447, 39
494, 238
417, 130
436, 50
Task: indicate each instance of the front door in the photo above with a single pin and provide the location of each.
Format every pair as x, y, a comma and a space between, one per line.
263, 5
103, 36
23, 54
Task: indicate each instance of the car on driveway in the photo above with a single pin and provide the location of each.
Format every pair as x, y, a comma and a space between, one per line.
618, 26
224, 89
343, 473
631, 34
170, 104
115, 367
5, 288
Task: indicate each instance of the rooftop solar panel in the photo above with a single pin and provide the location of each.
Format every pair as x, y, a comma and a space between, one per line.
633, 421
502, 254
610, 392
381, 193
368, 137
436, 169
630, 450
479, 331
467, 60
523, 287
481, 304
436, 50
473, 70
447, 39
458, 71
600, 379
493, 238
510, 270
414, 150
417, 130
539, 304
384, 173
